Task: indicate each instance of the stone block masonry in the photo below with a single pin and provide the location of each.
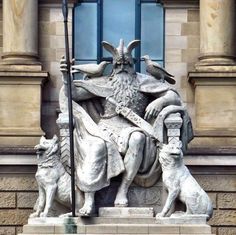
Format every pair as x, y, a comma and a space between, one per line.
18, 194
222, 190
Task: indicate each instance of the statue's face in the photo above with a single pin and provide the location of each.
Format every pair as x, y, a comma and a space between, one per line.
123, 63
122, 56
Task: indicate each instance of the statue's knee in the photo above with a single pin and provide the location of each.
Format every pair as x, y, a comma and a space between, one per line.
98, 147
137, 138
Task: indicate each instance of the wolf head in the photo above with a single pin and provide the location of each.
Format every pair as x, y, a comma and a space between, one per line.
171, 150
47, 147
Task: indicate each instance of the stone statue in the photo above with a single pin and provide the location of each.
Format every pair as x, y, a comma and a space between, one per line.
52, 179
180, 183
118, 125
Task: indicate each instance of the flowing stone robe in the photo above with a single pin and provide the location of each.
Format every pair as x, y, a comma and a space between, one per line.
99, 151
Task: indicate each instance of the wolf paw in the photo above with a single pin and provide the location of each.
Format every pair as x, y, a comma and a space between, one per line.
34, 215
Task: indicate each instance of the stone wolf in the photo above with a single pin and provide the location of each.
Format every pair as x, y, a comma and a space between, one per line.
53, 180
180, 183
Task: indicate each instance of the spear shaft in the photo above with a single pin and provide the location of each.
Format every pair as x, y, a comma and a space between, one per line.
70, 108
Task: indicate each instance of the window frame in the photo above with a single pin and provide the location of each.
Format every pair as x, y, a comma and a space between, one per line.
137, 54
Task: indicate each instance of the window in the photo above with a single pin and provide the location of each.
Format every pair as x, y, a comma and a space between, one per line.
109, 20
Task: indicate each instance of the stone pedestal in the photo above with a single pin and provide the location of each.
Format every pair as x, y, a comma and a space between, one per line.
20, 100
21, 76
215, 77
98, 225
215, 110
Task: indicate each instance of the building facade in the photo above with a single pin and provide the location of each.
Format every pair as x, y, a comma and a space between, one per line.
198, 48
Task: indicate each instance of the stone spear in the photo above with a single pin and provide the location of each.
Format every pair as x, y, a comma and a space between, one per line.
70, 108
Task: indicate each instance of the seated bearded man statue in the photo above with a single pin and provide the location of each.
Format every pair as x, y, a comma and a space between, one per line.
108, 143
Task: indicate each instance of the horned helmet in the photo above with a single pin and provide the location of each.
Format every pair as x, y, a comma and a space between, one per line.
122, 56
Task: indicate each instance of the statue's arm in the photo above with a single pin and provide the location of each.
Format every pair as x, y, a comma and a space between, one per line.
168, 97
78, 93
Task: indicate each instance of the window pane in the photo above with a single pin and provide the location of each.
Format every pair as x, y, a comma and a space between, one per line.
152, 30
85, 32
118, 21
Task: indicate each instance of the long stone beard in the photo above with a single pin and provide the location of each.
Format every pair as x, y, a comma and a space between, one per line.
125, 88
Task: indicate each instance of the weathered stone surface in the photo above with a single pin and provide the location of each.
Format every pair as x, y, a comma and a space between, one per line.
223, 217
176, 42
213, 199
7, 200
176, 15
26, 200
226, 231
190, 29
7, 230
19, 229
195, 229
217, 182
173, 28
184, 219
227, 200
190, 55
173, 55
126, 212
18, 182
132, 229
193, 15
145, 196
44, 14
14, 217
193, 41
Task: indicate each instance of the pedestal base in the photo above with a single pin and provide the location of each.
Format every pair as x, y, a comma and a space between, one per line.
20, 101
102, 225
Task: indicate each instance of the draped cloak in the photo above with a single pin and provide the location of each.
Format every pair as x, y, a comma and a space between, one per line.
98, 156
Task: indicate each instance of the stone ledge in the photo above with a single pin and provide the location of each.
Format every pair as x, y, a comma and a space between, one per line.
98, 225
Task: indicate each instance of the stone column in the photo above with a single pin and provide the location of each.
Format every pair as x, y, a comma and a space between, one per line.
20, 30
21, 76
214, 79
217, 32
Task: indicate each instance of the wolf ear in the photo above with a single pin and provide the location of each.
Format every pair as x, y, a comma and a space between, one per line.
109, 47
132, 45
180, 144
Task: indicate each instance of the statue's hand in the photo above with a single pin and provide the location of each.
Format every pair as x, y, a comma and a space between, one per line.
63, 69
154, 108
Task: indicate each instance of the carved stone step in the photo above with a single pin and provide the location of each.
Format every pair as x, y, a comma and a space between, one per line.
60, 226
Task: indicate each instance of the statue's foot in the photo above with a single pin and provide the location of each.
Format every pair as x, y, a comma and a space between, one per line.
121, 200
159, 215
86, 210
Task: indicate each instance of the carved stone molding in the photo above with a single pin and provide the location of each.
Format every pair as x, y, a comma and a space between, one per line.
180, 3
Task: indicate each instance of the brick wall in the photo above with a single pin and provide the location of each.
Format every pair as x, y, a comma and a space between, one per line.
221, 186
18, 194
